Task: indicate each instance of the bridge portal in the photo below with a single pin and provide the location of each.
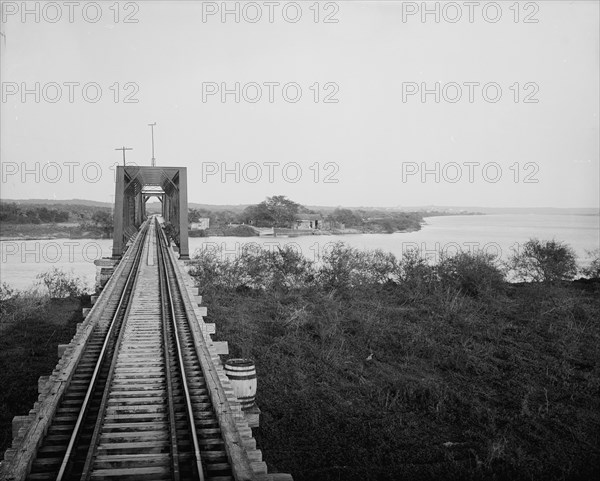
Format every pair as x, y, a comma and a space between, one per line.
134, 186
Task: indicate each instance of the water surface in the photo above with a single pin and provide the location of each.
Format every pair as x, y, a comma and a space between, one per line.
21, 261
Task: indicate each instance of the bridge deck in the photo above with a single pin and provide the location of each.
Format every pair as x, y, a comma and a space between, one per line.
160, 371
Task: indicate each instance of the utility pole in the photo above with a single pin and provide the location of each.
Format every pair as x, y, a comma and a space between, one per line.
124, 149
153, 163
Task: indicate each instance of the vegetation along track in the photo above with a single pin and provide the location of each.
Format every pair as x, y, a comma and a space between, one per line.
137, 406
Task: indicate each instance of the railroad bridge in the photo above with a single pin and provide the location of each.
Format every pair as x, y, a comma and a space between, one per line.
134, 186
141, 392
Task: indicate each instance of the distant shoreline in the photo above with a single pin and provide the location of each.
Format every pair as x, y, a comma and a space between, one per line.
424, 209
60, 234
30, 232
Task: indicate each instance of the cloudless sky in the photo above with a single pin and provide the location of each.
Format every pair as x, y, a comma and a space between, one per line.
373, 142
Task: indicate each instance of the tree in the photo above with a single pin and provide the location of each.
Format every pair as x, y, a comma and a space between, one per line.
9, 212
544, 261
32, 216
593, 270
103, 220
282, 210
277, 211
346, 217
193, 215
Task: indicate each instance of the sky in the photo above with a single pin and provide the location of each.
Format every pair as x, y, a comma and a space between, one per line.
352, 103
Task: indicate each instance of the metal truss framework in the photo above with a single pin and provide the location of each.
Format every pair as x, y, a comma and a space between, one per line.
134, 186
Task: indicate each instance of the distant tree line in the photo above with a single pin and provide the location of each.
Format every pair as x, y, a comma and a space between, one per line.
224, 217
279, 211
13, 213
97, 220
376, 220
276, 211
101, 222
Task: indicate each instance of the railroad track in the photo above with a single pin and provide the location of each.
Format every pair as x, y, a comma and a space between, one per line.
137, 407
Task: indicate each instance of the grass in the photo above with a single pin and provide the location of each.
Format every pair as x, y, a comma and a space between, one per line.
31, 327
387, 381
438, 373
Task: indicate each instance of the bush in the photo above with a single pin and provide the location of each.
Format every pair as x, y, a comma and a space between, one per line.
206, 268
345, 267
287, 269
501, 387
253, 268
61, 284
6, 292
593, 270
414, 273
544, 261
473, 274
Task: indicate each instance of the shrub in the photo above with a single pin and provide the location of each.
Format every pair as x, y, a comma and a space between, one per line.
213, 272
61, 284
345, 267
380, 266
473, 274
544, 261
288, 269
254, 268
6, 292
593, 270
415, 273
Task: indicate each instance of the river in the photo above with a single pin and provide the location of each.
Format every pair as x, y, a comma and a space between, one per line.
21, 261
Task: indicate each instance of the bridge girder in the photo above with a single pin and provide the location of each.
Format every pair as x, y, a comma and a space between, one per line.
134, 186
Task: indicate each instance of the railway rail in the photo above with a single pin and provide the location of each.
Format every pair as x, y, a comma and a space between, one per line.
140, 404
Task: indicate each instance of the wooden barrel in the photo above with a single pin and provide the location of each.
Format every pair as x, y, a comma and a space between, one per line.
242, 375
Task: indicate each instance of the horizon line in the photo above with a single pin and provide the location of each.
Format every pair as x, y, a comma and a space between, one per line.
447, 206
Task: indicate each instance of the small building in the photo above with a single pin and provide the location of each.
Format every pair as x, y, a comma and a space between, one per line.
307, 222
202, 224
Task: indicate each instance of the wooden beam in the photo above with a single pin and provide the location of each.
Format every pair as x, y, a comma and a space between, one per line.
234, 445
